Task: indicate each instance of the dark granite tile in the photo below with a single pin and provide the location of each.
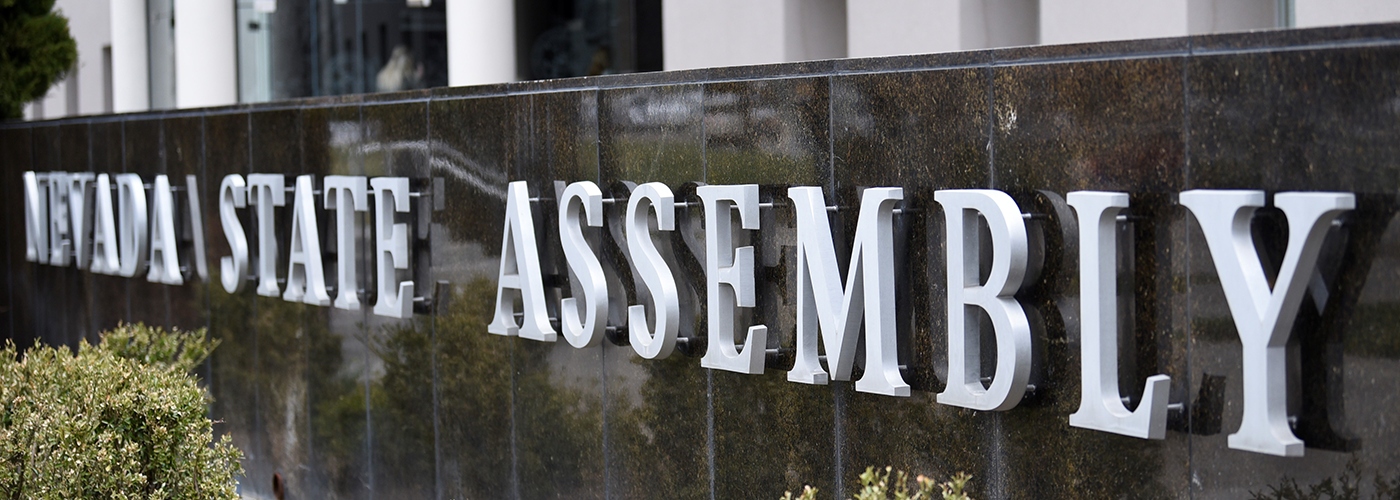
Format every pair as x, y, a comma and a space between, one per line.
184, 153
283, 428
495, 89
781, 70
1104, 126
1309, 120
473, 149
49, 282
653, 78
280, 342
922, 131
1100, 50
233, 381
144, 154
338, 357
915, 62
770, 435
402, 449
405, 95
655, 414
16, 157
1384, 33
558, 398
76, 157
109, 304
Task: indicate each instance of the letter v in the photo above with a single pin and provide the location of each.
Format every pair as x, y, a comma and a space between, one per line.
1264, 317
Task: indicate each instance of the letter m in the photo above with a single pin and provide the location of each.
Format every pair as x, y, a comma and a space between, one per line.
869, 292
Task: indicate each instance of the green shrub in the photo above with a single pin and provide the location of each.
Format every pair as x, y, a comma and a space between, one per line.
875, 485
122, 420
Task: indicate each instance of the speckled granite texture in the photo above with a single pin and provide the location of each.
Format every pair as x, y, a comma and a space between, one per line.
345, 404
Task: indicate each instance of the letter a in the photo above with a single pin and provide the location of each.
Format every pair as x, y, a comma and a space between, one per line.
1100, 404
520, 275
1264, 317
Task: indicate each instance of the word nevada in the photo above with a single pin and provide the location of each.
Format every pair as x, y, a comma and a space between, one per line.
831, 311
70, 219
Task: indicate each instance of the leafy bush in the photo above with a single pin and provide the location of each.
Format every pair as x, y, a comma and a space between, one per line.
123, 420
877, 486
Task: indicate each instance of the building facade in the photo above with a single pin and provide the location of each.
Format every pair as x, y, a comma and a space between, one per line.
134, 56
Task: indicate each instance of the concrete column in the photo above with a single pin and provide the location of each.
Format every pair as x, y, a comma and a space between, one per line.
206, 62
131, 90
480, 42
894, 27
702, 34
1224, 16
1310, 13
1074, 21
91, 28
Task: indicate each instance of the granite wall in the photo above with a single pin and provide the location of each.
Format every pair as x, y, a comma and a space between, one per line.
350, 405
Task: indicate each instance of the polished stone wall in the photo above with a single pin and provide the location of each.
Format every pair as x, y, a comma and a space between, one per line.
345, 404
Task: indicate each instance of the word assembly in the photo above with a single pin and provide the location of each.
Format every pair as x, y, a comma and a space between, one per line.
71, 220
832, 311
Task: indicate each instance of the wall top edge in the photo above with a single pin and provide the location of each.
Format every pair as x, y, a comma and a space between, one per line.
1270, 40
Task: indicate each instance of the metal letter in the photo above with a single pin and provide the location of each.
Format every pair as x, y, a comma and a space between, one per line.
60, 241
1264, 317
234, 268
165, 262
267, 191
520, 275
306, 279
36, 218
1010, 254
104, 230
131, 216
582, 201
79, 185
197, 229
652, 342
824, 303
346, 195
726, 265
1100, 404
391, 246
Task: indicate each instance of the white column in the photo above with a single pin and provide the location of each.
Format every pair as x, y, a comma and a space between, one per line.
131, 89
895, 27
714, 33
91, 27
206, 64
480, 42
1309, 13
1074, 21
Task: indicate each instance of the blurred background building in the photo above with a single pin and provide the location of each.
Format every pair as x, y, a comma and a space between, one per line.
137, 55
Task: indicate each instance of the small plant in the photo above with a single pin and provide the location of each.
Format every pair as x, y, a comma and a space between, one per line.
122, 419
877, 485
808, 493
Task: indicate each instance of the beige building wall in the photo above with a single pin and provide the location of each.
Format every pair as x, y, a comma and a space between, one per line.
702, 34
1310, 13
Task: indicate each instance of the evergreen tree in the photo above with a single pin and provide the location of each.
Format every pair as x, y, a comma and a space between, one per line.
35, 51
